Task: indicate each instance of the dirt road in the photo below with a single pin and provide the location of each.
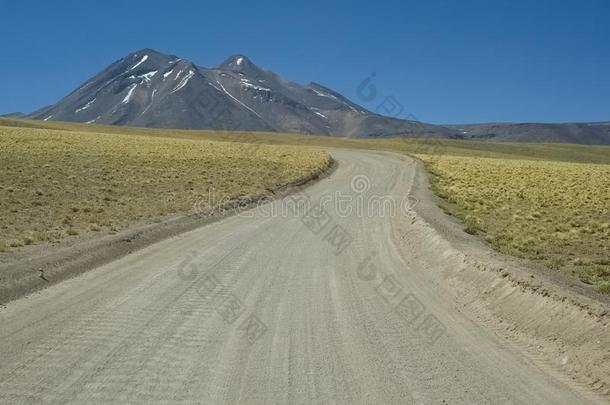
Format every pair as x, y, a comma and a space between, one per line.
272, 308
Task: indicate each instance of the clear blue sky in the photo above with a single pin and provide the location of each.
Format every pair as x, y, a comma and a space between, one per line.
445, 61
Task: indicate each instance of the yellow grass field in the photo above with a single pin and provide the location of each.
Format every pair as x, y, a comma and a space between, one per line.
555, 212
56, 184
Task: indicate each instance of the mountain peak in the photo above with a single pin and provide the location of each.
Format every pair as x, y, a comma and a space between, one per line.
147, 51
146, 59
238, 63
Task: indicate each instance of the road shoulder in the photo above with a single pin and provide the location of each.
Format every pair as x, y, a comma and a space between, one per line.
43, 265
563, 331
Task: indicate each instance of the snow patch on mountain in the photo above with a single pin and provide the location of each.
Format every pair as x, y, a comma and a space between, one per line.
129, 93
239, 102
144, 59
85, 106
152, 100
183, 82
145, 77
324, 95
246, 82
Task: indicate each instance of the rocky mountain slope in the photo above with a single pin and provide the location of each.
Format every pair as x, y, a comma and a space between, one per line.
148, 88
152, 89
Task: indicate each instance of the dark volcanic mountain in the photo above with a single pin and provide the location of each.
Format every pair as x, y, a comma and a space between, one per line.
148, 88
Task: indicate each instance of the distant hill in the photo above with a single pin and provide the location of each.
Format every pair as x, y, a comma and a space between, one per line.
583, 133
14, 115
